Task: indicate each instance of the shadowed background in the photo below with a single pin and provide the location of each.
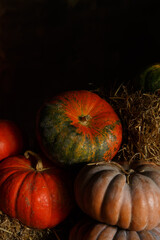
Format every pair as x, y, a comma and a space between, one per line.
47, 47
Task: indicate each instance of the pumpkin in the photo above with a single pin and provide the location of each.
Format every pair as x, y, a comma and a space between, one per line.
129, 198
11, 139
92, 230
78, 126
35, 192
149, 79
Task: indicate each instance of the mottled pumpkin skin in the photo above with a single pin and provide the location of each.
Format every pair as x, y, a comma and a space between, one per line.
130, 201
149, 79
39, 199
92, 230
78, 126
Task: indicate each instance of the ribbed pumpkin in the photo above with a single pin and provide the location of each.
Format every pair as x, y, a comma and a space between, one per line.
149, 79
37, 194
78, 126
92, 230
129, 199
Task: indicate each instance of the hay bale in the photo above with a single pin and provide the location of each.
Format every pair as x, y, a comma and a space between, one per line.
140, 116
13, 229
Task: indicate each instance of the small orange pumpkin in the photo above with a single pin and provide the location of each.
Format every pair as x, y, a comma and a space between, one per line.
35, 192
11, 139
129, 199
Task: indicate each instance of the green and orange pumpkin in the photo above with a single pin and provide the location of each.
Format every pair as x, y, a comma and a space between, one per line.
78, 126
88, 229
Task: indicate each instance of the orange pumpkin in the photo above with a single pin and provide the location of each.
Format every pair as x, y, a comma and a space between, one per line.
35, 192
78, 126
129, 199
11, 139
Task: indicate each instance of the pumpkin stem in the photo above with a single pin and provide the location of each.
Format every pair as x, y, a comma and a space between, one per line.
129, 174
84, 119
39, 165
96, 163
126, 172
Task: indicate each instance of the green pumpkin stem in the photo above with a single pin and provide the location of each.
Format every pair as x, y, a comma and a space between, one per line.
39, 165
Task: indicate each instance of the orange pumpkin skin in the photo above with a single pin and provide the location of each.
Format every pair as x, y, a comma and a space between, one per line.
130, 201
11, 139
38, 198
92, 230
78, 126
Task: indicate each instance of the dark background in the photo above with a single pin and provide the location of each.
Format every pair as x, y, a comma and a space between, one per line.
47, 47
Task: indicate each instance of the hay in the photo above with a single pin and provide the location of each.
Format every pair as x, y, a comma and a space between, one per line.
12, 229
140, 116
